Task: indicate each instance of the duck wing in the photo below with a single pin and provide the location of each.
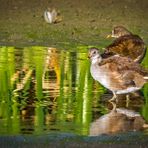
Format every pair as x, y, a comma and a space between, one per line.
131, 46
123, 64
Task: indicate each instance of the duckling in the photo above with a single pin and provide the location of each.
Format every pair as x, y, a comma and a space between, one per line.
125, 44
119, 74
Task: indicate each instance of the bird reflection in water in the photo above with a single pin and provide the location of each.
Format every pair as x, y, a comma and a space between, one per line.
116, 121
135, 102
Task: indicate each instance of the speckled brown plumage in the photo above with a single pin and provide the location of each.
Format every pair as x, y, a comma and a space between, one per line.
121, 64
125, 44
119, 74
126, 70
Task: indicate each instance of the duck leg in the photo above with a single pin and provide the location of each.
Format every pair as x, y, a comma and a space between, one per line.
114, 106
113, 98
127, 100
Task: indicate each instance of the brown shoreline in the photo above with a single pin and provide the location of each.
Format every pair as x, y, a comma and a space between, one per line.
83, 21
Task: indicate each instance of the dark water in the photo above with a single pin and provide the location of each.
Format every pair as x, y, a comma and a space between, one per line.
47, 90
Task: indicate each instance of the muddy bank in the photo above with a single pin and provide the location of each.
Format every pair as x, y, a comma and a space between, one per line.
83, 21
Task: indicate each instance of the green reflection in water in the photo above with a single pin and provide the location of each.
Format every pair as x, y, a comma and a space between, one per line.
145, 90
46, 90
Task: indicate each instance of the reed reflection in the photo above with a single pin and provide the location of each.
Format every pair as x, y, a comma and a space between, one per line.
46, 90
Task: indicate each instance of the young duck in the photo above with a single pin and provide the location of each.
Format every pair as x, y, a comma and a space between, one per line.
119, 74
125, 44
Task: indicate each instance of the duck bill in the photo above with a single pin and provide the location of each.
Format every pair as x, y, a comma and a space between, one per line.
88, 56
109, 36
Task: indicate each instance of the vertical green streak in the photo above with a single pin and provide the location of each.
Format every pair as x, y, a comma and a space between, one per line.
4, 75
66, 98
83, 112
8, 109
145, 107
72, 83
79, 93
87, 103
11, 64
145, 90
6, 112
39, 119
60, 101
39, 66
28, 57
145, 61
15, 118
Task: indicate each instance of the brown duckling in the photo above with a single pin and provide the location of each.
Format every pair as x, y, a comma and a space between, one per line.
125, 44
119, 74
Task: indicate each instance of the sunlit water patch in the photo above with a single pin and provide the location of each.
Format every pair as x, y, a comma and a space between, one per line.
45, 90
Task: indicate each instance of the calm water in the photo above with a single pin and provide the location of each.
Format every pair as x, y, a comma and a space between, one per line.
46, 90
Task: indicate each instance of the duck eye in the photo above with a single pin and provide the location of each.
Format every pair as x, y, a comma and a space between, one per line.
94, 52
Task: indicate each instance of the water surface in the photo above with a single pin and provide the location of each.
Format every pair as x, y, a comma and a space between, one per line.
47, 90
